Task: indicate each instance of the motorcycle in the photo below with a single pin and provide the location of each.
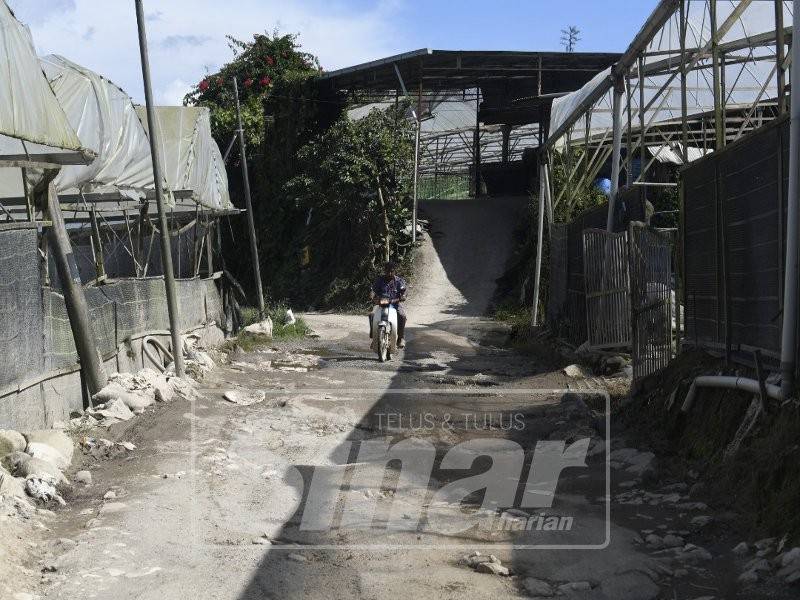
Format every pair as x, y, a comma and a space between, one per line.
384, 329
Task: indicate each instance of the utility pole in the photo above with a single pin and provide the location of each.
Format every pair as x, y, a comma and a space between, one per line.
248, 204
166, 247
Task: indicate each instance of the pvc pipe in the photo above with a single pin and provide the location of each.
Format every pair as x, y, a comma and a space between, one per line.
789, 330
744, 384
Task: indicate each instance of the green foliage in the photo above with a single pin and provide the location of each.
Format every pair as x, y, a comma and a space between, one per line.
583, 196
339, 175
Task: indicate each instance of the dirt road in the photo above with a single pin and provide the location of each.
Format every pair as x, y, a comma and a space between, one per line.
292, 498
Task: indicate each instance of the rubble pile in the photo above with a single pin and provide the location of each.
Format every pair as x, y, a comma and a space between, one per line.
128, 394
32, 463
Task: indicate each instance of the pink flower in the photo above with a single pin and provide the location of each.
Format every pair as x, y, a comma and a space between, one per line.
248, 82
203, 85
270, 61
265, 81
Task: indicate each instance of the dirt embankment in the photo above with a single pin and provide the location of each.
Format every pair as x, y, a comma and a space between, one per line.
761, 481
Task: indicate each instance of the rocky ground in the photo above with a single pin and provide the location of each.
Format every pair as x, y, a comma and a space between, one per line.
205, 496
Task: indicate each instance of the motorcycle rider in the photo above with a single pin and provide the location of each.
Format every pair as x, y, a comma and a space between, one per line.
392, 287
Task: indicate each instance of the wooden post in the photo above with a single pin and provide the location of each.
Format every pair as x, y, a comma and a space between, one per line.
97, 245
74, 298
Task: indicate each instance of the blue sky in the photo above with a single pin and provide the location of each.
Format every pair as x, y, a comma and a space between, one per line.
187, 37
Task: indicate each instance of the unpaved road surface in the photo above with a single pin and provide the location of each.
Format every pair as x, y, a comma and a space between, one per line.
293, 497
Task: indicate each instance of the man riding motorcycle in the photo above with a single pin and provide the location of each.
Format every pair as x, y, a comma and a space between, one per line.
391, 287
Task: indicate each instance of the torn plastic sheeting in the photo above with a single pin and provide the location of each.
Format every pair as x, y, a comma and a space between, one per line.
105, 119
28, 108
189, 155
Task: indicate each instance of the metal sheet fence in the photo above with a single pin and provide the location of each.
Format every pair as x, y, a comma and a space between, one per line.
733, 232
608, 305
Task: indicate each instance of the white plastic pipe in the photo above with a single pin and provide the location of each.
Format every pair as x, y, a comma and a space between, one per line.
744, 384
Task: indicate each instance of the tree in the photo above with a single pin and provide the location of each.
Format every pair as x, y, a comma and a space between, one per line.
570, 38
353, 184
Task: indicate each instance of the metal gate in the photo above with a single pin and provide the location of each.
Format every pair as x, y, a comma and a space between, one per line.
652, 299
608, 309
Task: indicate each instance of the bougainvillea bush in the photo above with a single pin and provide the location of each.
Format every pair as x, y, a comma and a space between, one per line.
258, 65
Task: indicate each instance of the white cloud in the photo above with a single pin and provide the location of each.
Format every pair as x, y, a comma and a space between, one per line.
173, 93
187, 37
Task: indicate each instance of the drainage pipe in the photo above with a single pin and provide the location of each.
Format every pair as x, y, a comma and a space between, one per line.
789, 329
744, 384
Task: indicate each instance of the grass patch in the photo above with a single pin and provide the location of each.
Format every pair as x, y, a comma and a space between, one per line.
248, 342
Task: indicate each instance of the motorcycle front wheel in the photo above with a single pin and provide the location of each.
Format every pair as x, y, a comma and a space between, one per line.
384, 353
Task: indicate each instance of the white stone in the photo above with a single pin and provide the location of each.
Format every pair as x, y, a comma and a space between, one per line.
262, 328
50, 445
11, 441
576, 372
790, 557
10, 485
244, 398
741, 549
492, 568
134, 399
83, 477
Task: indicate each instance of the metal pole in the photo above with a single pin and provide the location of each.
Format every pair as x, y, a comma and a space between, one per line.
780, 55
248, 204
416, 164
684, 100
619, 90
74, 298
166, 247
539, 239
719, 135
789, 328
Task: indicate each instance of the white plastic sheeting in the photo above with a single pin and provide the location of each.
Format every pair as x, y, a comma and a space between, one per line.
752, 79
29, 111
673, 153
105, 119
448, 127
190, 157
